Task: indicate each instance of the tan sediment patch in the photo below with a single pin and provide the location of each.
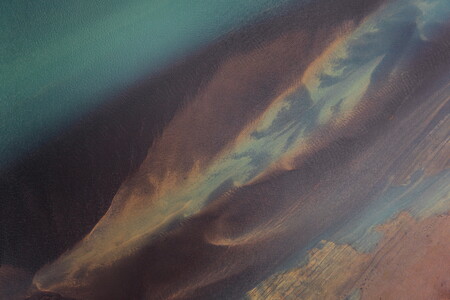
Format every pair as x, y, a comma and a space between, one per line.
416, 263
411, 262
328, 271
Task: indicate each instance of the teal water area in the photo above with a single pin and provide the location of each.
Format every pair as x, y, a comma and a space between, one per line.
60, 59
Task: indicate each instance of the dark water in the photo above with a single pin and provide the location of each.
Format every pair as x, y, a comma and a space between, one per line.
214, 173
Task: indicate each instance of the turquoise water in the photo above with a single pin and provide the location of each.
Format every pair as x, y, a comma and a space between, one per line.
60, 59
